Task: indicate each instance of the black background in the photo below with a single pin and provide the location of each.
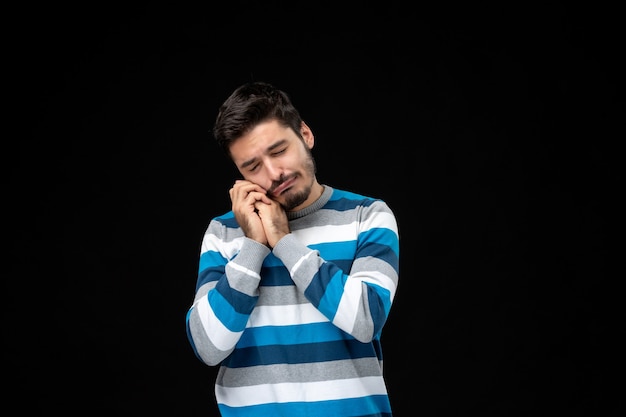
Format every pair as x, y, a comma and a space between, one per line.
487, 130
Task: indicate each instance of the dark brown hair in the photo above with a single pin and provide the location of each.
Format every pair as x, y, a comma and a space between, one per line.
249, 105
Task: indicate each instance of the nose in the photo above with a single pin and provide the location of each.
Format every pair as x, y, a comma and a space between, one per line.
274, 171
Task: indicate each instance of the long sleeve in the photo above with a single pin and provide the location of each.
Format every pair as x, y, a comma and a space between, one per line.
226, 291
357, 300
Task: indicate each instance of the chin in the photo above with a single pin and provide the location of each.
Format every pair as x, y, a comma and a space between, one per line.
293, 199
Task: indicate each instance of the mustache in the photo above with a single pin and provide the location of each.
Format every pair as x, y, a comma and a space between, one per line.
279, 181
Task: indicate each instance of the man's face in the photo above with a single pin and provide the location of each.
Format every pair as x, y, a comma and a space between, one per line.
275, 158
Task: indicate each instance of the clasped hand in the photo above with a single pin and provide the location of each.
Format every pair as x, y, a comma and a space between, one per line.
261, 218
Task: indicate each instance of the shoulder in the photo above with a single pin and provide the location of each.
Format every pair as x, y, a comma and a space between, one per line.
224, 224
343, 199
226, 220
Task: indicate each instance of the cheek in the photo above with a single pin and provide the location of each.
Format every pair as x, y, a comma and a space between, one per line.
258, 178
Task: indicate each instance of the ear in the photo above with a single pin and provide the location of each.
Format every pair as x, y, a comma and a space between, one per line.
307, 135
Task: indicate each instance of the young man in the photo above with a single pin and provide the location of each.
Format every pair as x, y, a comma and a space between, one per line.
296, 282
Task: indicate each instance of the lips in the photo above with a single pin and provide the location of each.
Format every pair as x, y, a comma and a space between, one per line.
283, 186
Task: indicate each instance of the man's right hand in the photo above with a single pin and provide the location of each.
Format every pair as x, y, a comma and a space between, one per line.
244, 195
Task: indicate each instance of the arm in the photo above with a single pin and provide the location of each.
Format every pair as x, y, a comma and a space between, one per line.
358, 302
226, 291
233, 250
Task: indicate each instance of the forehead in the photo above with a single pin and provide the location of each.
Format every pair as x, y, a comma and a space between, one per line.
260, 140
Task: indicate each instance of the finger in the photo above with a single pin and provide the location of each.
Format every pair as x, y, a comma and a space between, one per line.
256, 196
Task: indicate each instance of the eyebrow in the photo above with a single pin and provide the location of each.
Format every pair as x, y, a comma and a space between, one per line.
275, 145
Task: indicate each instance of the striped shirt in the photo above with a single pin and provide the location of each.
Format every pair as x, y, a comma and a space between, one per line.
296, 330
